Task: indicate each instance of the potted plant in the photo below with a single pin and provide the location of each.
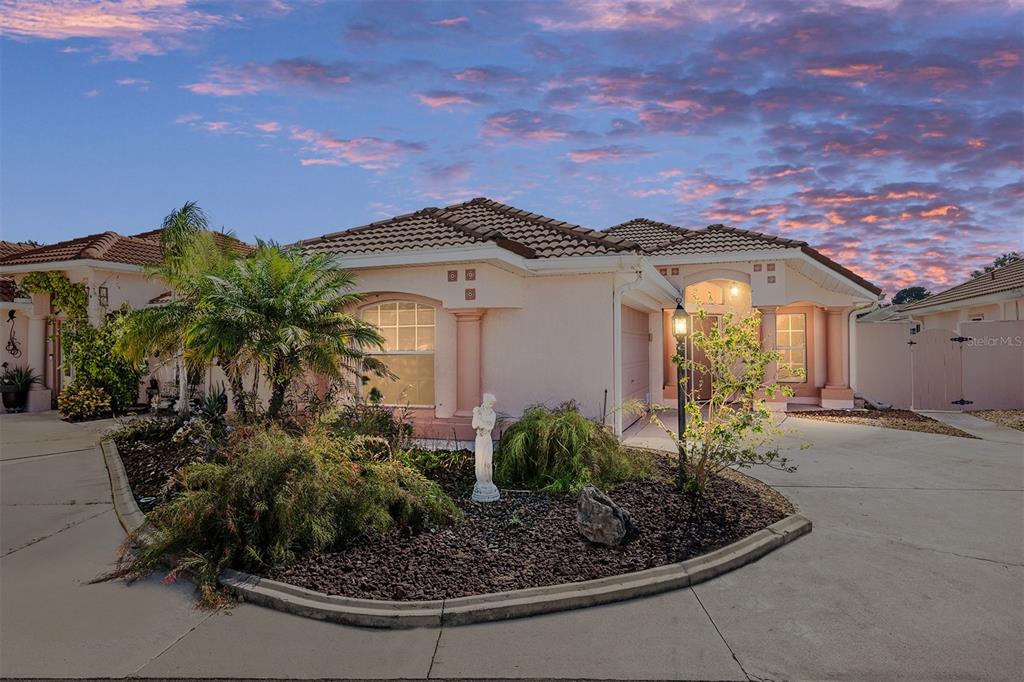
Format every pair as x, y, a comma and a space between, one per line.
16, 383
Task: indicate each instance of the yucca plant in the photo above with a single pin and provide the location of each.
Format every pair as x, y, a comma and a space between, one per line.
562, 450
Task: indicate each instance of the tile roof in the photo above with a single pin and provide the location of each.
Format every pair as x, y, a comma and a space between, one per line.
141, 249
649, 234
106, 246
477, 221
8, 248
723, 239
1006, 278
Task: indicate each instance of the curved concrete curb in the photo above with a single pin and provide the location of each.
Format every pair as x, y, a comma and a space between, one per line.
479, 608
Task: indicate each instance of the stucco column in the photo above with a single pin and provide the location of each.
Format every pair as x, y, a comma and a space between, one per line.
836, 394
468, 341
35, 351
778, 403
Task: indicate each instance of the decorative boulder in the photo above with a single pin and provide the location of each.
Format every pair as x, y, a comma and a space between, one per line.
600, 520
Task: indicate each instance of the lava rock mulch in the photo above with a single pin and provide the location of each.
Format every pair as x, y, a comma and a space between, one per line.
529, 539
149, 466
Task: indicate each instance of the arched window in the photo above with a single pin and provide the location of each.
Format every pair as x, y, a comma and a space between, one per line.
408, 331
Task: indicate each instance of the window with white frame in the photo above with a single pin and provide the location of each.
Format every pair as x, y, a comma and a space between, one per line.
408, 331
791, 342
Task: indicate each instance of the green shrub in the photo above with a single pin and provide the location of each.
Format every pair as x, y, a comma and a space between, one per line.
361, 418
562, 450
145, 430
276, 496
79, 402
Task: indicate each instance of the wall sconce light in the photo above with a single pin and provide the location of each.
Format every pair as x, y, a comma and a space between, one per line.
104, 296
734, 290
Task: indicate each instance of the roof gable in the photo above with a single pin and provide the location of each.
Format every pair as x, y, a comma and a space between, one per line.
648, 234
473, 222
1006, 278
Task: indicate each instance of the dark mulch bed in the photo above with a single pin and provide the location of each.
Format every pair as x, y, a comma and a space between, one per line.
529, 539
149, 466
904, 420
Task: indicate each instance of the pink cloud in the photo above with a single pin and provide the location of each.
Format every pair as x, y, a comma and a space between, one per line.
451, 21
443, 99
252, 78
524, 125
606, 153
131, 29
138, 83
268, 126
367, 152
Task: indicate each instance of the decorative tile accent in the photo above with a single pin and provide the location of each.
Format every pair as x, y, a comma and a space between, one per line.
757, 267
771, 279
663, 271
470, 274
675, 271
453, 275
470, 294
771, 267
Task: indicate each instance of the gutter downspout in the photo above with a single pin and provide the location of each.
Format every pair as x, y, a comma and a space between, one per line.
851, 325
617, 293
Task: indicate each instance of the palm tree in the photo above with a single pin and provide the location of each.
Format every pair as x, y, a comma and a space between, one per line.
286, 312
190, 255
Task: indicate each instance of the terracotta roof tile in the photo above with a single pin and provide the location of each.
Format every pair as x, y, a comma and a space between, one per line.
477, 221
141, 249
9, 248
107, 246
723, 239
1006, 278
649, 234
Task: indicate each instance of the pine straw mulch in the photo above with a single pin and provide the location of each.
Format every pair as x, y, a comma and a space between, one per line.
1013, 419
904, 420
529, 539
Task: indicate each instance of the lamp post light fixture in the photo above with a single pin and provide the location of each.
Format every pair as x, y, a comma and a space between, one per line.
680, 322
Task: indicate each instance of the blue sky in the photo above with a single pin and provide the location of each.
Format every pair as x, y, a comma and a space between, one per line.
887, 134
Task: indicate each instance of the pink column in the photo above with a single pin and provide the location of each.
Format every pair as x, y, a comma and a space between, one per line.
468, 342
836, 394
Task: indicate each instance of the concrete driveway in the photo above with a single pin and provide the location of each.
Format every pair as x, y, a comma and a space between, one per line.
915, 570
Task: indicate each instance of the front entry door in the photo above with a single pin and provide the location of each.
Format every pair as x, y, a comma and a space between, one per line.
700, 383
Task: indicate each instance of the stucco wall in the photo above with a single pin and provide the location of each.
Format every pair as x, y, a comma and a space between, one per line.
21, 335
558, 347
993, 364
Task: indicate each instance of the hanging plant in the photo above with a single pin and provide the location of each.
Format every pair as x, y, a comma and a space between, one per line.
69, 298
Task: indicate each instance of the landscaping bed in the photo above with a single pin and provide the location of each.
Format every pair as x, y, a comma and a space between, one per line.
529, 539
149, 466
905, 420
1013, 419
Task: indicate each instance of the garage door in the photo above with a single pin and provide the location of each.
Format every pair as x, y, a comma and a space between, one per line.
636, 359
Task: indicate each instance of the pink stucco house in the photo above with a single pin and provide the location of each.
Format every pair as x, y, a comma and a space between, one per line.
483, 297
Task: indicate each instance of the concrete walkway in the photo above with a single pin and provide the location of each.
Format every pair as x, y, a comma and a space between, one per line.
914, 570
976, 426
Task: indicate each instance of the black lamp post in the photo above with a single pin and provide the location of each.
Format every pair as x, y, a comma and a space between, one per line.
679, 330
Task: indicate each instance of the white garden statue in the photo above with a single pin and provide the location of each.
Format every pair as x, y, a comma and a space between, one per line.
483, 423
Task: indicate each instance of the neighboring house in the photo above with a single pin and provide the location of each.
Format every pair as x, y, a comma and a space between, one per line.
483, 297
962, 348
112, 268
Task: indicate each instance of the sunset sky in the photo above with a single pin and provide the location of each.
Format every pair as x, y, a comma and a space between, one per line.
887, 134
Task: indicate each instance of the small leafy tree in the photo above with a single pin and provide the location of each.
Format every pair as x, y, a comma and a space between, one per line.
910, 294
733, 428
1000, 261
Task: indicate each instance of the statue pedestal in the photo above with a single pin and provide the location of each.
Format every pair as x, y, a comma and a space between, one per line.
485, 492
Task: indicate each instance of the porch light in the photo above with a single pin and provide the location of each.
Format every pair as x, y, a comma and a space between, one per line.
734, 290
679, 321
